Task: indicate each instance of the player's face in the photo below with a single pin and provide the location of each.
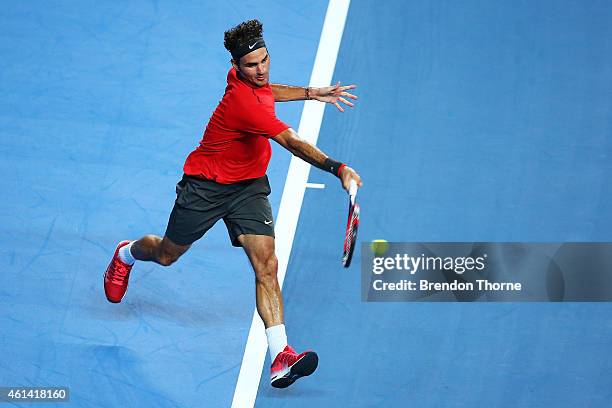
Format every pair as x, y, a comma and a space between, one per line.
255, 67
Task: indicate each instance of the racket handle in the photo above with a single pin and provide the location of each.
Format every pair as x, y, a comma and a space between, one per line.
352, 188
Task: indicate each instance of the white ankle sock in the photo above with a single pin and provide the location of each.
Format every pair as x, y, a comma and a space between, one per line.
277, 340
125, 254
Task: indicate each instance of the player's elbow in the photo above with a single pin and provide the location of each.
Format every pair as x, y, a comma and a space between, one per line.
289, 139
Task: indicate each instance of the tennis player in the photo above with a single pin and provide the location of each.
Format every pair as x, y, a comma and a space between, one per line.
225, 178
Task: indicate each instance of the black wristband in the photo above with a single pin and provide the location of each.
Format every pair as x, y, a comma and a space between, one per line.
331, 166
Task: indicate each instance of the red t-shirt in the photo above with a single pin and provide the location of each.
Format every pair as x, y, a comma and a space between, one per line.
235, 144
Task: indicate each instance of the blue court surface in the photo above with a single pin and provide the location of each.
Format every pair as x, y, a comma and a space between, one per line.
477, 121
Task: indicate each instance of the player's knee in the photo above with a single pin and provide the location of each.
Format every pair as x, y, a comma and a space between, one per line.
166, 259
267, 269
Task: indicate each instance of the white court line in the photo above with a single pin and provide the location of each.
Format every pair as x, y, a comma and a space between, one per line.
293, 195
315, 185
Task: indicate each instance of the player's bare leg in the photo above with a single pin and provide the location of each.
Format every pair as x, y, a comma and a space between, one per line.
159, 250
287, 365
148, 248
269, 299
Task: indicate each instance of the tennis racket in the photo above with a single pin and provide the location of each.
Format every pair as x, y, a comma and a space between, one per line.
351, 226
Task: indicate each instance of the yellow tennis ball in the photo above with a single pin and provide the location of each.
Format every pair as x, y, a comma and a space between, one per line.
379, 247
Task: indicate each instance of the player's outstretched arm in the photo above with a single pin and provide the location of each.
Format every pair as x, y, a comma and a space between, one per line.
310, 153
335, 94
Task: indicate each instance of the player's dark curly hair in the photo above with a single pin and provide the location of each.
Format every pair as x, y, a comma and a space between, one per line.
242, 33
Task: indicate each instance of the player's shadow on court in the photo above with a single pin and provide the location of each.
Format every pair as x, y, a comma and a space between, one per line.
300, 389
144, 309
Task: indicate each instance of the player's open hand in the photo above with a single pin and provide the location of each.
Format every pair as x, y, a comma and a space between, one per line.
334, 95
347, 175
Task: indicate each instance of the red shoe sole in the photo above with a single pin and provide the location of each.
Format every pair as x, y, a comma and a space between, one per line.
113, 300
302, 368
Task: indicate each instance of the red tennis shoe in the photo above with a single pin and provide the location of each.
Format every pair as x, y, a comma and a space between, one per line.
116, 276
288, 366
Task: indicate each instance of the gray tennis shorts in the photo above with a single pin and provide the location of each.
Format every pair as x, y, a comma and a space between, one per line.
200, 203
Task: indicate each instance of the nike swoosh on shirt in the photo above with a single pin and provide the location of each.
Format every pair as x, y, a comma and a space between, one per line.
267, 222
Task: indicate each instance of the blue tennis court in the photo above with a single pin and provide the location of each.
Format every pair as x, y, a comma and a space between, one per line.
476, 121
